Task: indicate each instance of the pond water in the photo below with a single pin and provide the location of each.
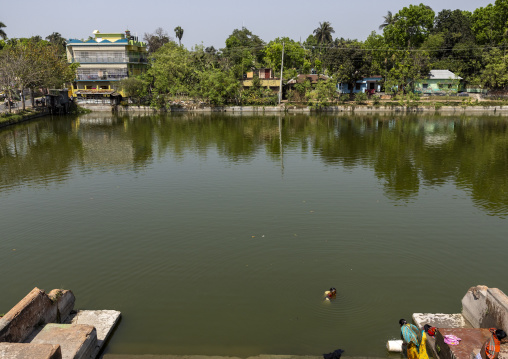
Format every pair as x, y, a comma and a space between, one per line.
218, 235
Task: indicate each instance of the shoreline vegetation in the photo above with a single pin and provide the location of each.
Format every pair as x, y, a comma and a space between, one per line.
494, 107
18, 116
388, 71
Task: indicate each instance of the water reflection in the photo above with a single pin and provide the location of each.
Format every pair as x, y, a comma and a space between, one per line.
406, 153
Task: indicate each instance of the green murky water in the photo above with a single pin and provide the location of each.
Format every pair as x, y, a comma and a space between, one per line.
218, 234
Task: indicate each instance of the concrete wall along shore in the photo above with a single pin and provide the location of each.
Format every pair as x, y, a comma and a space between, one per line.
305, 109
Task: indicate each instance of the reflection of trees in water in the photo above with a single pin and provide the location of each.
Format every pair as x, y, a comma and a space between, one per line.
405, 152
430, 151
36, 153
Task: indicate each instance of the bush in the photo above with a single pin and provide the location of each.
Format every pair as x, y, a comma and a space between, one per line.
343, 98
361, 98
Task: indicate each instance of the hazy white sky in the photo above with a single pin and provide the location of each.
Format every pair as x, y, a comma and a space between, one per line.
207, 21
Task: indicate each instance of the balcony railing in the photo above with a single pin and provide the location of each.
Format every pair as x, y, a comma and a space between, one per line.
92, 77
94, 60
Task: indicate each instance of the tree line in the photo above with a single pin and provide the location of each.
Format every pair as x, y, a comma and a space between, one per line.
409, 44
33, 64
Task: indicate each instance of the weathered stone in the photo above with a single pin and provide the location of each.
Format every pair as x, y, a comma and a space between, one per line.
37, 308
32, 351
262, 356
472, 339
503, 353
440, 320
104, 322
64, 301
76, 341
32, 310
486, 307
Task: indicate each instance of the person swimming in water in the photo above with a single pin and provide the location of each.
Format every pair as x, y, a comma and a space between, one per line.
330, 294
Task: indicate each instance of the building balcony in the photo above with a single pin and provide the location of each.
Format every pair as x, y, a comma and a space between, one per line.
108, 60
112, 77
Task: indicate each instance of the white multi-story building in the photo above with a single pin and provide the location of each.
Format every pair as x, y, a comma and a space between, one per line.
104, 60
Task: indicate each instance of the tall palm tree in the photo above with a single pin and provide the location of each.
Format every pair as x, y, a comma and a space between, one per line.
3, 35
179, 34
389, 19
324, 33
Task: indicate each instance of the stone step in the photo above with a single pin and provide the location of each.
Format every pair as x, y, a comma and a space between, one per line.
104, 322
440, 320
262, 356
32, 351
77, 341
472, 340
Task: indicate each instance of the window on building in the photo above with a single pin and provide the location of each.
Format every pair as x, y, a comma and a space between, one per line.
100, 56
425, 86
358, 86
102, 74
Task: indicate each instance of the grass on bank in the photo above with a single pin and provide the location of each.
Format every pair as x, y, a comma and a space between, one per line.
20, 115
16, 116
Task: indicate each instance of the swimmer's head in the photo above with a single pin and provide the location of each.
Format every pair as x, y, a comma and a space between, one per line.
333, 290
402, 322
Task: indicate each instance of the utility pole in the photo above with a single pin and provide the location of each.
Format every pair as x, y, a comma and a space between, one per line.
281, 67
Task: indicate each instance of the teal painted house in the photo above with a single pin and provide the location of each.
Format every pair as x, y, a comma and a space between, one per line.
439, 81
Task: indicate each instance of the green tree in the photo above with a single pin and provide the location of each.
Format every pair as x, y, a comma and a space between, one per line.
409, 67
489, 23
495, 73
57, 40
27, 64
348, 62
134, 87
219, 87
243, 51
410, 27
455, 26
179, 34
157, 39
388, 20
3, 35
323, 33
377, 54
294, 54
172, 72
326, 90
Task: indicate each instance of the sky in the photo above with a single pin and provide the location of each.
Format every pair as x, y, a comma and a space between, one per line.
207, 22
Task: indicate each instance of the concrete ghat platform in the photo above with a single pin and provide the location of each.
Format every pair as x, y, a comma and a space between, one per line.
32, 351
472, 341
104, 322
76, 341
263, 356
440, 320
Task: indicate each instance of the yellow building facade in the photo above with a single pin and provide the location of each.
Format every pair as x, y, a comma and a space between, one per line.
104, 60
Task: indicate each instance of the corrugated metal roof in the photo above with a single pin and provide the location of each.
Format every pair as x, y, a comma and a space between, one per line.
443, 75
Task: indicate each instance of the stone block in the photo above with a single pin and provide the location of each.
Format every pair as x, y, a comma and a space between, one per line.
104, 322
76, 341
486, 307
34, 309
440, 320
32, 351
472, 339
64, 301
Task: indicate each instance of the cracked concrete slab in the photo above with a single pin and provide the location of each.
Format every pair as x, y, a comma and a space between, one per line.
104, 322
